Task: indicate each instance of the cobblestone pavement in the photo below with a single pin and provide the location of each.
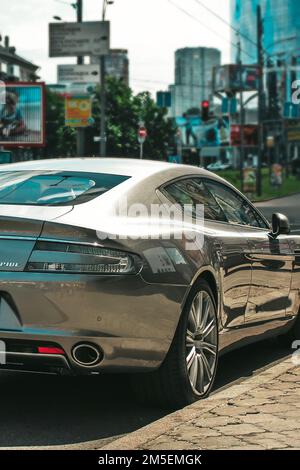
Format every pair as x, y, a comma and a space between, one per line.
262, 412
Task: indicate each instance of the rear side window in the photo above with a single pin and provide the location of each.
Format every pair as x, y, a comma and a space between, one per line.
192, 192
52, 188
236, 208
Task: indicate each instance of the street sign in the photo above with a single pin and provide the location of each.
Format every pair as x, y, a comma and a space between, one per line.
91, 38
78, 111
229, 106
142, 135
293, 131
78, 74
164, 99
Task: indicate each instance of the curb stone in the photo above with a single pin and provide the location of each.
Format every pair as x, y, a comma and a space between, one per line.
138, 439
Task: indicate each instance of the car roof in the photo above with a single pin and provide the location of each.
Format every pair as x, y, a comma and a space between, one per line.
117, 166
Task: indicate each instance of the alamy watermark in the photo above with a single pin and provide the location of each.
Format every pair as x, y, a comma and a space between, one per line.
155, 222
296, 93
2, 353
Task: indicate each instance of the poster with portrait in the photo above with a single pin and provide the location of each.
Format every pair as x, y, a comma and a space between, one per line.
22, 115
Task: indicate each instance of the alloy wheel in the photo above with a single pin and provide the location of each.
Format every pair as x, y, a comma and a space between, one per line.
201, 343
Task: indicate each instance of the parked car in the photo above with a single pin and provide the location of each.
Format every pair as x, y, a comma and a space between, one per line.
84, 290
219, 166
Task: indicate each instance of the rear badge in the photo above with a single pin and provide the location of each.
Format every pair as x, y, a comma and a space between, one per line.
8, 264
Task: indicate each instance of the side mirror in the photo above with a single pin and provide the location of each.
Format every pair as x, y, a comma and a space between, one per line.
280, 225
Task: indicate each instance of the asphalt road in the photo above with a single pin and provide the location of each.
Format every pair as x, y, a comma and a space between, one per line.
48, 410
41, 410
289, 206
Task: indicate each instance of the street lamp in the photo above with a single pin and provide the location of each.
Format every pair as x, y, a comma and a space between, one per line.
57, 18
106, 3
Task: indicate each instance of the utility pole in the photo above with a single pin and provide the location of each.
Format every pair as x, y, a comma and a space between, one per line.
103, 108
103, 95
80, 61
79, 20
242, 115
260, 62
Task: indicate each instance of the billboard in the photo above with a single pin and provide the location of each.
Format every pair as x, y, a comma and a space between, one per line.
250, 135
91, 38
78, 73
78, 111
196, 133
235, 78
22, 115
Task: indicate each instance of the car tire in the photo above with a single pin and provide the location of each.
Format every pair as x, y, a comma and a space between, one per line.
188, 372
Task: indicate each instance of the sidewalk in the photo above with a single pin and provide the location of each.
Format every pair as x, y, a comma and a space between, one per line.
263, 412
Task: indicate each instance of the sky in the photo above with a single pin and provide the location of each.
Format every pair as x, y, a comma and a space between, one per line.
150, 29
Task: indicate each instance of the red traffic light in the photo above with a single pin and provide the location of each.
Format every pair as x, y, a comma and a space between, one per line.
205, 111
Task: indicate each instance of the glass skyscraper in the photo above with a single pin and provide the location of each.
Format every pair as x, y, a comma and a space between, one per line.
193, 77
281, 27
281, 38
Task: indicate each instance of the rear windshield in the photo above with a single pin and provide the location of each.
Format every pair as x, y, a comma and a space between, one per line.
53, 188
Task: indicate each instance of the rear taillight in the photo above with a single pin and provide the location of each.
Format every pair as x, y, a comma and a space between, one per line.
67, 258
50, 350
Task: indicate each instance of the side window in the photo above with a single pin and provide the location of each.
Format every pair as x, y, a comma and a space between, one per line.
193, 192
235, 207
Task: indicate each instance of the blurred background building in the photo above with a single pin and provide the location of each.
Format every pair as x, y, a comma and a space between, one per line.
116, 64
13, 67
281, 38
193, 77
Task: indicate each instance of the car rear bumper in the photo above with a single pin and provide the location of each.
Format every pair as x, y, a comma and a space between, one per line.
130, 322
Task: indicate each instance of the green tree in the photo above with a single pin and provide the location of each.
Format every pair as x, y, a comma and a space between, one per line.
54, 120
124, 113
60, 140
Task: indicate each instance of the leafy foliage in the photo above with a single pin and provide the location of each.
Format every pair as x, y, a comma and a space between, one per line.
124, 113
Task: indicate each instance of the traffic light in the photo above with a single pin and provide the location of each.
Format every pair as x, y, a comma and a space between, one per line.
294, 70
272, 85
205, 110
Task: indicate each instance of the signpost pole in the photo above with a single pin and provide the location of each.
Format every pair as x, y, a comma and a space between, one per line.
242, 117
260, 60
80, 60
103, 95
141, 150
103, 108
142, 135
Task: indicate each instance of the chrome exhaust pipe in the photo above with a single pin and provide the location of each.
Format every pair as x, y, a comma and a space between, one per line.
86, 355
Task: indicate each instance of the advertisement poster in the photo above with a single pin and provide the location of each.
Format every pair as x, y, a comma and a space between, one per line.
22, 115
78, 111
250, 180
200, 134
276, 175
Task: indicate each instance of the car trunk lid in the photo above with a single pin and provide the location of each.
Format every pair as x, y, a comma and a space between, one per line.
19, 232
